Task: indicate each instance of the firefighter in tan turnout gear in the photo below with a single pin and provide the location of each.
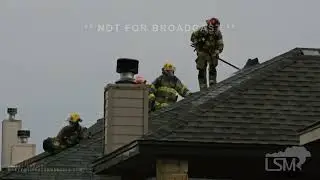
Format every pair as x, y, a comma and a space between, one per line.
164, 89
208, 43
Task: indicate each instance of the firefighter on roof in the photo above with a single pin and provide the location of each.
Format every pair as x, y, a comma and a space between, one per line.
68, 136
72, 133
140, 80
208, 44
165, 88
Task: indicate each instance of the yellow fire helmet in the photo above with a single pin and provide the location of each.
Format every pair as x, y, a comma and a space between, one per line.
74, 117
169, 67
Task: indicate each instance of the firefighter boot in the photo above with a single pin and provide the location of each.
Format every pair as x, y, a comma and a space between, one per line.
202, 79
212, 75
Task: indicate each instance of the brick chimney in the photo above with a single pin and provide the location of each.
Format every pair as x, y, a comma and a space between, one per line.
125, 107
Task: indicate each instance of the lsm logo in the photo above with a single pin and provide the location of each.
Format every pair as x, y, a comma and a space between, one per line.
291, 159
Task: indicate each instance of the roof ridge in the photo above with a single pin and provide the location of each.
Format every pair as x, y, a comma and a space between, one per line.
246, 82
241, 73
257, 73
224, 87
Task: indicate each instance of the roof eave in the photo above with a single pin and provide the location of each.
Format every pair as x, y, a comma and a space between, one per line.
140, 147
123, 153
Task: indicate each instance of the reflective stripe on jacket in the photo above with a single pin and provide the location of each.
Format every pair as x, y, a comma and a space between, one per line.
166, 88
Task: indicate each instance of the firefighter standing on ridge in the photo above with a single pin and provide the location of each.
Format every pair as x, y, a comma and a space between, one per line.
208, 43
166, 87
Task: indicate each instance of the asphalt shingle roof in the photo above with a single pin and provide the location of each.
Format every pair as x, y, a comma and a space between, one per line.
266, 104
72, 163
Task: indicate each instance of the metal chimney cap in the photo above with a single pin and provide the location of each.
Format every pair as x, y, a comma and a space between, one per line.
23, 133
125, 65
12, 111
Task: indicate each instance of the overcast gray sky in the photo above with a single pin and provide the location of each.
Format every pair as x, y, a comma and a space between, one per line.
54, 61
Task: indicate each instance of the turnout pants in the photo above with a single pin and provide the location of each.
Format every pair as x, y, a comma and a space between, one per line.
162, 102
202, 61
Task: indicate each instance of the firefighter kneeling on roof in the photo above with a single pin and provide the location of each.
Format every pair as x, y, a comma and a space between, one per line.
68, 136
164, 89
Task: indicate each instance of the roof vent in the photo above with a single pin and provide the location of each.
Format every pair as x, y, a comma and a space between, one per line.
308, 52
251, 62
12, 113
127, 68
